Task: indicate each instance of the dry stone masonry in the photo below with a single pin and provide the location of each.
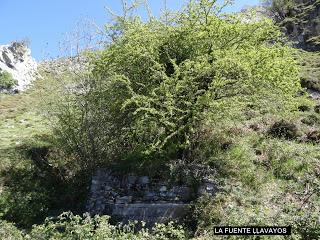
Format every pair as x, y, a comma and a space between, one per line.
130, 197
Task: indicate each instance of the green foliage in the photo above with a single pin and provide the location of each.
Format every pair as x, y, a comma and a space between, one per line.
300, 19
264, 181
311, 120
34, 176
199, 88
156, 85
35, 185
23, 205
284, 129
6, 80
69, 226
25, 192
310, 74
9, 231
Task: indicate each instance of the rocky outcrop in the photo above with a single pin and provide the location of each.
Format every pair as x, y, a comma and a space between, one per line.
300, 20
65, 65
131, 197
16, 59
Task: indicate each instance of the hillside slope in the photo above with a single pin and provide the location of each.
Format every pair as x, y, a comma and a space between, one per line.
204, 97
301, 19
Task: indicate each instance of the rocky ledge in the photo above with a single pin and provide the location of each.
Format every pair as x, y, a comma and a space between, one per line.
16, 59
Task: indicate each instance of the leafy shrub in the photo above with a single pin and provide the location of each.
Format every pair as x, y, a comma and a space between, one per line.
178, 89
304, 108
311, 120
314, 136
6, 80
155, 86
69, 226
25, 199
39, 185
284, 129
9, 231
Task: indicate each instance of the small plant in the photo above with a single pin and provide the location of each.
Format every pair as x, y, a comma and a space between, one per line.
6, 80
283, 129
311, 120
304, 108
317, 108
314, 136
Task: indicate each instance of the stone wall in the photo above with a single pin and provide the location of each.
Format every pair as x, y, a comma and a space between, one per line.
131, 197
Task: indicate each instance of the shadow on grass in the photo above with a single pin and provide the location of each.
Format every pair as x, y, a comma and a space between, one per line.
33, 188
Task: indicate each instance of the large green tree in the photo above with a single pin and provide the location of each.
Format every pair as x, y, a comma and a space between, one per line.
159, 81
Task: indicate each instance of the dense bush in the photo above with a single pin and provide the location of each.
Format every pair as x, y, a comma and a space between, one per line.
158, 83
284, 129
6, 80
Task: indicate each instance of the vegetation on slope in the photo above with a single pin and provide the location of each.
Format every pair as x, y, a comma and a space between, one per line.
68, 226
300, 19
200, 94
310, 72
33, 182
169, 82
300, 22
6, 80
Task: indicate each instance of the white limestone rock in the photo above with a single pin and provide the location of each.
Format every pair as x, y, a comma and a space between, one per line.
16, 59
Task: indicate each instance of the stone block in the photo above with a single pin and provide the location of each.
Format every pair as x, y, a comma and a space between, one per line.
163, 189
132, 180
207, 187
124, 200
150, 196
183, 193
150, 213
144, 180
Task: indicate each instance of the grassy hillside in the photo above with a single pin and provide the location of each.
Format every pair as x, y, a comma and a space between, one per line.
202, 97
32, 185
265, 177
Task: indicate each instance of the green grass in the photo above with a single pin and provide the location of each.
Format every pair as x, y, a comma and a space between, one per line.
21, 120
267, 181
35, 181
310, 69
